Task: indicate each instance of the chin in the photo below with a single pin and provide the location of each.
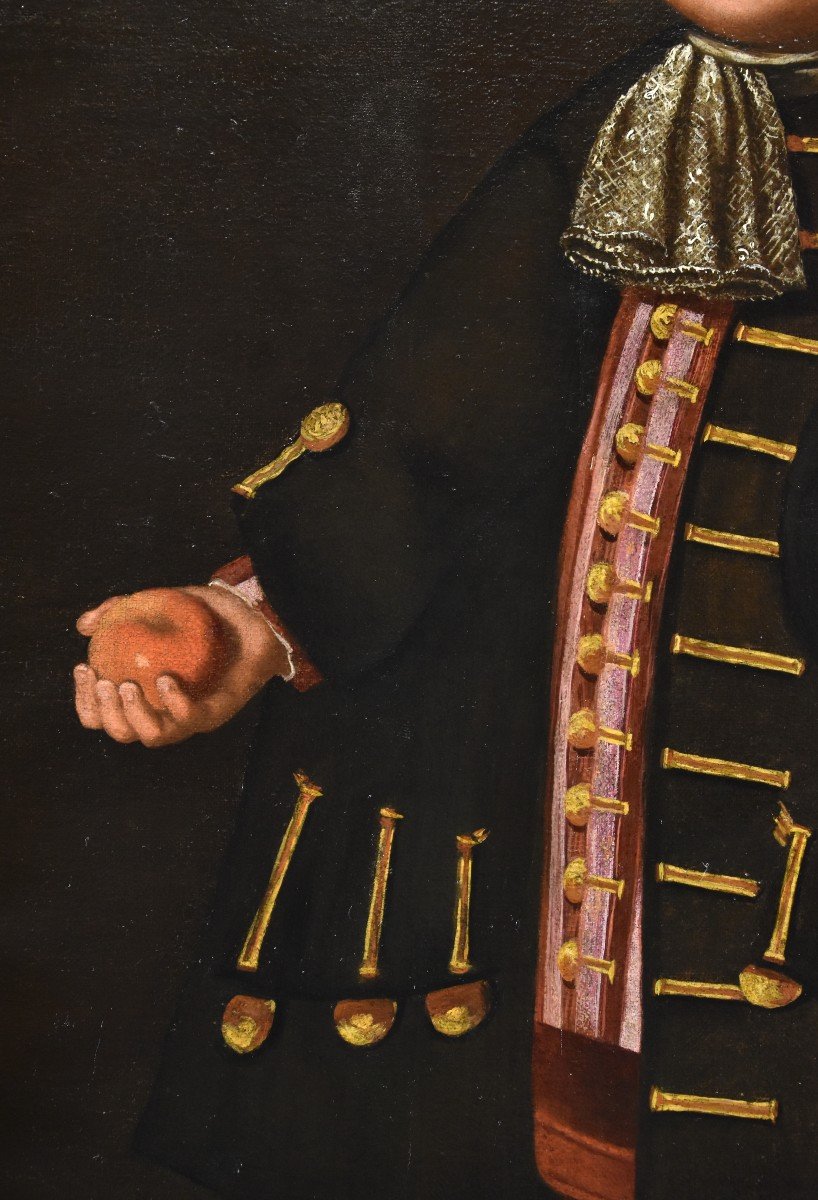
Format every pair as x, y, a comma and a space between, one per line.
779, 24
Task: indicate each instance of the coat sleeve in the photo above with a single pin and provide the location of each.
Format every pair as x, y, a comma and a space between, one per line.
351, 544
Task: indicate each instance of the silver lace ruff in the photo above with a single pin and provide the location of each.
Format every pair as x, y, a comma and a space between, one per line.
687, 188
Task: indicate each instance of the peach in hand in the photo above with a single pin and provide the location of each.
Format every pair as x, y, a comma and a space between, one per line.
162, 631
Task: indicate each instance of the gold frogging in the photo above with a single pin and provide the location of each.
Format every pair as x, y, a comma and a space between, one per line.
456, 1010
731, 885
321, 429
388, 819
738, 438
760, 986
784, 831
247, 1020
459, 962
714, 1106
307, 792
367, 1022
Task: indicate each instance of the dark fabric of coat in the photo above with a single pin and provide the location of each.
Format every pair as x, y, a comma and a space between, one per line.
764, 718
417, 564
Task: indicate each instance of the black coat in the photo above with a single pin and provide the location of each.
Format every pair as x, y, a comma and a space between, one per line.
416, 563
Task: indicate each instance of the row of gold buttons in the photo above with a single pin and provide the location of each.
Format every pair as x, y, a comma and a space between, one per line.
616, 513
248, 1020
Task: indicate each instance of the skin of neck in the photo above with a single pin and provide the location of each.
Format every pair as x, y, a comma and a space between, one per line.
788, 25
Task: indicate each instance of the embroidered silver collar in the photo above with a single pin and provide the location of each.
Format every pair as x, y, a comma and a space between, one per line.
687, 187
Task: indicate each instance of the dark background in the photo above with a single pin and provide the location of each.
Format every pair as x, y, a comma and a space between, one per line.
204, 207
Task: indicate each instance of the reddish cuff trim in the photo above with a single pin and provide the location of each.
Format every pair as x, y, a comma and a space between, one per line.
241, 570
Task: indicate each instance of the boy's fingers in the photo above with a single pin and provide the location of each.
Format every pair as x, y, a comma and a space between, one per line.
178, 704
143, 720
85, 697
88, 621
114, 721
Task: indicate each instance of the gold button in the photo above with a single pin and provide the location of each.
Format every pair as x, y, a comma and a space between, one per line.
457, 1010
591, 653
576, 879
801, 145
628, 441
325, 426
601, 583
647, 377
321, 429
246, 1023
661, 321
568, 960
578, 804
364, 1022
573, 880
612, 509
582, 730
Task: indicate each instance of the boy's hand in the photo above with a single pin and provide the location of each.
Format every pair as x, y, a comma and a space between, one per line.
124, 713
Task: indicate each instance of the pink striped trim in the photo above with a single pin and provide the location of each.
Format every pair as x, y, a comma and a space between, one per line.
620, 629
604, 926
561, 833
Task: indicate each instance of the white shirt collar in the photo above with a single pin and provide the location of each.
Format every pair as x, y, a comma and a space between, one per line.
743, 56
